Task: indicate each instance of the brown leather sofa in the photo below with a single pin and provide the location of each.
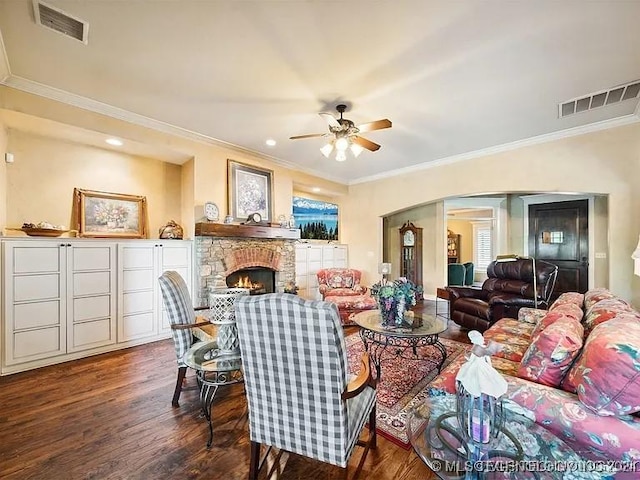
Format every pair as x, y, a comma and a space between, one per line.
508, 288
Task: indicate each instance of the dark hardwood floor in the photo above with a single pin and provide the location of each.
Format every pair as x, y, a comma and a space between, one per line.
110, 417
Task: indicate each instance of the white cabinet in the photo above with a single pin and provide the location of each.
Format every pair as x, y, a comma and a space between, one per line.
65, 298
140, 306
58, 298
312, 257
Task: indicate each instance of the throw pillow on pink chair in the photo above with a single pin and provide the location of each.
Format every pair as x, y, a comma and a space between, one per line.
340, 282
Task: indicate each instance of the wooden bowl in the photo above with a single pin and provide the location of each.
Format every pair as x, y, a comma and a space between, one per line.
43, 232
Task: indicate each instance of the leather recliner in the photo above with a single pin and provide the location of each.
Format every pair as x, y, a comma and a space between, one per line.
508, 288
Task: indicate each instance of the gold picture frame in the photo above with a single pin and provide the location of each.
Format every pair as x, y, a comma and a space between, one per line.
249, 191
110, 215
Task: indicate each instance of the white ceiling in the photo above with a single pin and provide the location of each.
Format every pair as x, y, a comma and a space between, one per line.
454, 77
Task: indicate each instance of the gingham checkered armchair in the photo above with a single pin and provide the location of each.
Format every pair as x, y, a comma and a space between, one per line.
296, 378
185, 326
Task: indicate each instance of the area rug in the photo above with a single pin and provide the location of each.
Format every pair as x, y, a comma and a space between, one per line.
403, 383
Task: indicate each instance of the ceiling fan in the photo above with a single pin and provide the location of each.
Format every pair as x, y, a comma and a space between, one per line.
343, 134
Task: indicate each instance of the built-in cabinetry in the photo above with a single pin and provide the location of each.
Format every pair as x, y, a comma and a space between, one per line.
140, 304
453, 247
310, 258
64, 299
59, 298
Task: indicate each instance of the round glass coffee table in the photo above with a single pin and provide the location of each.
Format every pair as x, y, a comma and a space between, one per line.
523, 449
214, 368
402, 342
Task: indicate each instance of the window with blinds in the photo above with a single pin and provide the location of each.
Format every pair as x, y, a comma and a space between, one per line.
482, 245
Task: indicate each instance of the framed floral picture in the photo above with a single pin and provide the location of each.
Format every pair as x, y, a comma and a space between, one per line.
250, 191
110, 215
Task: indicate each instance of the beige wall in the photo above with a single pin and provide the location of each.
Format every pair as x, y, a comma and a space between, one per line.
41, 180
605, 162
202, 179
425, 217
464, 228
3, 176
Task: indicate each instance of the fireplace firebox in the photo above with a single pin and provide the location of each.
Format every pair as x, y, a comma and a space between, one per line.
258, 280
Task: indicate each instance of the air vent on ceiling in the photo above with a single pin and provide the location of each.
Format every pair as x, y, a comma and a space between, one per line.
599, 99
55, 19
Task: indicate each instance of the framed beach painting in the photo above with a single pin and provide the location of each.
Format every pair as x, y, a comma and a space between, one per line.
317, 220
250, 191
110, 215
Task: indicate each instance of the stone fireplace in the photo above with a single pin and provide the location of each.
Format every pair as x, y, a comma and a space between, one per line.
218, 257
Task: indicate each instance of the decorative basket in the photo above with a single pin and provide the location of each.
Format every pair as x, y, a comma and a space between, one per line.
221, 313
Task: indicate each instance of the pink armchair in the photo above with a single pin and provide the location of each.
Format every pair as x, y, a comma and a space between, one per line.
340, 282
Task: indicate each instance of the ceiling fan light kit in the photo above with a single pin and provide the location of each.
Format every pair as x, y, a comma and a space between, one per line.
345, 136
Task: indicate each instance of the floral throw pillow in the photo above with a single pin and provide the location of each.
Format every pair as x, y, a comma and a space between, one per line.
548, 319
552, 351
574, 298
594, 296
607, 374
605, 310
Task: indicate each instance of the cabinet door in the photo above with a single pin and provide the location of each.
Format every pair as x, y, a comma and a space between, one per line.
177, 256
35, 301
308, 262
340, 256
91, 295
137, 290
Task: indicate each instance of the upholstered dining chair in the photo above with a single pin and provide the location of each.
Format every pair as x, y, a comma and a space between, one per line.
185, 326
296, 377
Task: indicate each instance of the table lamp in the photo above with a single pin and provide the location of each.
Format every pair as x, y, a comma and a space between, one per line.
384, 269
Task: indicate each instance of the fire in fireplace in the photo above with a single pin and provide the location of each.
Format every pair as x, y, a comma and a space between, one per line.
258, 280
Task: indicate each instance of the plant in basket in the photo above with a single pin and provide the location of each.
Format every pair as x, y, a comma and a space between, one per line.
394, 299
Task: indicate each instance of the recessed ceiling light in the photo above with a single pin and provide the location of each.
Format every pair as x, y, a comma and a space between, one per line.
315, 189
271, 142
114, 142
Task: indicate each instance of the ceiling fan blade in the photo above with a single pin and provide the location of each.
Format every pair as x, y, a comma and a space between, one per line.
311, 135
330, 119
364, 143
377, 125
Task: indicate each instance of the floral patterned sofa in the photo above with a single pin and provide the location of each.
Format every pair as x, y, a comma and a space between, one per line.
575, 369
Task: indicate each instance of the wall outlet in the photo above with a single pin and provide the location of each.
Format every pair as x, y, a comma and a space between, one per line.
601, 255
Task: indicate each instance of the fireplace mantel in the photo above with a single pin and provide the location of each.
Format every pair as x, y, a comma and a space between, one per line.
245, 231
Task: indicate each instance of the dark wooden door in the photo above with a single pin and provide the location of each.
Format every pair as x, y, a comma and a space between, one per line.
559, 234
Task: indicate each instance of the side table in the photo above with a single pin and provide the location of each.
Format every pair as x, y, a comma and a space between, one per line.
214, 368
442, 294
401, 342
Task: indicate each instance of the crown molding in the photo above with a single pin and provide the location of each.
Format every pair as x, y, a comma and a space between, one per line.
95, 106
23, 84
5, 71
547, 137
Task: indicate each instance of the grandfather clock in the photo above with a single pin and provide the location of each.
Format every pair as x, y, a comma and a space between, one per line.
411, 253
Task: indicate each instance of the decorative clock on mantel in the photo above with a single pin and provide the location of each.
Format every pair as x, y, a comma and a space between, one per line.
411, 253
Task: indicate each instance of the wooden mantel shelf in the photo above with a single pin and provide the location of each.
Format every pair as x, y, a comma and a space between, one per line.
245, 231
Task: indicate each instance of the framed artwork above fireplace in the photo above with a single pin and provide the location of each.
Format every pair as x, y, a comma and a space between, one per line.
250, 191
